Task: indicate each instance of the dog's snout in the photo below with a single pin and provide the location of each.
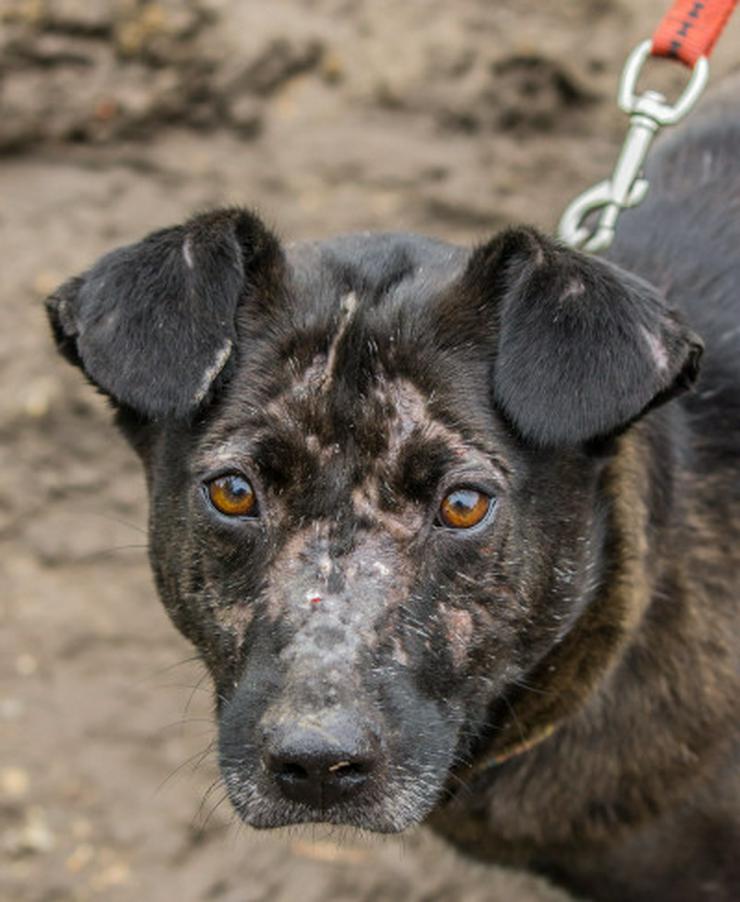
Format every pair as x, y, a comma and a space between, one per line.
321, 765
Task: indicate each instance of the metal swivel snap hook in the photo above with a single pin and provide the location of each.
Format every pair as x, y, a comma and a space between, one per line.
648, 112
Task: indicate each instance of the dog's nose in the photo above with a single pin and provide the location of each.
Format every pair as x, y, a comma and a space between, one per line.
320, 764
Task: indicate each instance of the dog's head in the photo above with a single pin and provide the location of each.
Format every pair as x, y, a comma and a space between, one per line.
376, 476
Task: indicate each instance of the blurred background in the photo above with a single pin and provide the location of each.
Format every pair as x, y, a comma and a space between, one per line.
120, 117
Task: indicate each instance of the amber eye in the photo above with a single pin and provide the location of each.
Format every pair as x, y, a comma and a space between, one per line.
464, 508
233, 495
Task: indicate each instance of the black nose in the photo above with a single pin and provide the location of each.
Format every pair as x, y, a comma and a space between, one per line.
321, 764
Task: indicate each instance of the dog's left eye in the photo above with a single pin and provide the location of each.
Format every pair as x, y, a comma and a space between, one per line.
233, 496
464, 508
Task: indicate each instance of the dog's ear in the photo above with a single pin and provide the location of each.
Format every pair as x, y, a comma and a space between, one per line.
582, 347
153, 324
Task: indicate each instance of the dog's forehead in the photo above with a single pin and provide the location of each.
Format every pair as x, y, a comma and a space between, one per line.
353, 380
371, 298
317, 416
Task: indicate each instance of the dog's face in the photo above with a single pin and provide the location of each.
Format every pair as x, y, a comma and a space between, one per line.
375, 469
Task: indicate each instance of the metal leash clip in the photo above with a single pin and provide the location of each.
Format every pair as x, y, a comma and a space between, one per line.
626, 187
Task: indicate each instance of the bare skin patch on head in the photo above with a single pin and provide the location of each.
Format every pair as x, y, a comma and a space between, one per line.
212, 371
410, 410
414, 416
187, 252
235, 619
658, 353
216, 453
574, 289
410, 424
306, 573
318, 377
346, 313
336, 606
403, 525
458, 626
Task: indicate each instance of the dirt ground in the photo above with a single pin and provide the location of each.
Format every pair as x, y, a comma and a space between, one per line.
328, 115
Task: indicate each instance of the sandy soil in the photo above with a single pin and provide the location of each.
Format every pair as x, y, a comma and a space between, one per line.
328, 115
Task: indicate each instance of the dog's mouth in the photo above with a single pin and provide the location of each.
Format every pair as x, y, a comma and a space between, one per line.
387, 803
353, 763
339, 769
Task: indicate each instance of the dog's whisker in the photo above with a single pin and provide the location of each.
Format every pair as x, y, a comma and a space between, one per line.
102, 553
185, 721
121, 522
198, 757
196, 820
198, 687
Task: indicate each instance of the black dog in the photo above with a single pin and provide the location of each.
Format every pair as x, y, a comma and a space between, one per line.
444, 547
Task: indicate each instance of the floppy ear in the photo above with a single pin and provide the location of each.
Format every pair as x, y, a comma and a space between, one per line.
583, 348
153, 324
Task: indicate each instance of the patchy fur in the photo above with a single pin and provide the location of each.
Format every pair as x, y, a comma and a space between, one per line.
555, 687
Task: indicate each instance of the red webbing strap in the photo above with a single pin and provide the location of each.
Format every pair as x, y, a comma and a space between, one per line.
690, 29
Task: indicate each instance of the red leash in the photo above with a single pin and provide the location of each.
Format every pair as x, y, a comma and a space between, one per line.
687, 33
690, 29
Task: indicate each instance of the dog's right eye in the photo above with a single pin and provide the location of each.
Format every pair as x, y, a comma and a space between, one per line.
233, 496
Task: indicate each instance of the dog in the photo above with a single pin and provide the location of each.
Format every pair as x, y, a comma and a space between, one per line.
455, 531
